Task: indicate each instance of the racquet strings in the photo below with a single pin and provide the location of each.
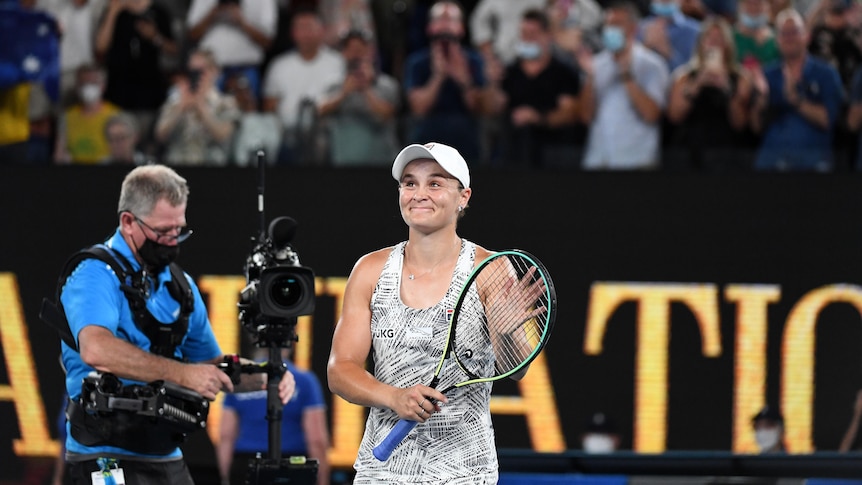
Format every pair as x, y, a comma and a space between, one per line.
514, 322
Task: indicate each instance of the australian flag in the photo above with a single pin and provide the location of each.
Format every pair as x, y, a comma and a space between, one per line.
29, 48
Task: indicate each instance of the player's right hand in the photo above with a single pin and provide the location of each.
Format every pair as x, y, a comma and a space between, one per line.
417, 403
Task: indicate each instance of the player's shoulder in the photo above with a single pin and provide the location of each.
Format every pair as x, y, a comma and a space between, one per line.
378, 256
371, 264
483, 253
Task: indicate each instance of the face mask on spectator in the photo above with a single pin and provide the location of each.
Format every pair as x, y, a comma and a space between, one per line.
598, 443
613, 38
90, 93
444, 37
528, 50
766, 438
753, 21
664, 9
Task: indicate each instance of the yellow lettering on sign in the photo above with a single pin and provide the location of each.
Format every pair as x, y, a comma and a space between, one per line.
23, 387
223, 292
537, 400
749, 373
797, 357
538, 404
348, 420
653, 334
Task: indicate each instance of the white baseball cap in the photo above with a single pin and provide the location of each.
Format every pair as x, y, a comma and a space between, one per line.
446, 156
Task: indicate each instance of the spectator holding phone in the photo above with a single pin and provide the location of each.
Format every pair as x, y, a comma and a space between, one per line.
197, 121
360, 112
237, 32
131, 39
710, 103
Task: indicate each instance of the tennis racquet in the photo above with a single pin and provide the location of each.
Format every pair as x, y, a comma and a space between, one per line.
506, 307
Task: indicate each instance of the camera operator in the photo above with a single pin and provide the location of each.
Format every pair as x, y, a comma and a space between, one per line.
144, 325
197, 122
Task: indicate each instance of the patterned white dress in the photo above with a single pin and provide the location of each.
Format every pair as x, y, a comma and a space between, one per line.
455, 446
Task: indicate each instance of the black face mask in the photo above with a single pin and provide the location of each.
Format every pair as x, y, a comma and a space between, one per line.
445, 37
156, 256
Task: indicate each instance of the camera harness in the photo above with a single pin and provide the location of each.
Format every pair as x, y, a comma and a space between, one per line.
152, 418
164, 337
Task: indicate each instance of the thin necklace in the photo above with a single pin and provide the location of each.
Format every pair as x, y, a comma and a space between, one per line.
412, 276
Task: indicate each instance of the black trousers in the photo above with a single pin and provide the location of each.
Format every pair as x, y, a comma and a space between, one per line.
173, 472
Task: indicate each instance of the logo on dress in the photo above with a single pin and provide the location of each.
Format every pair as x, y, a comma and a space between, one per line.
386, 333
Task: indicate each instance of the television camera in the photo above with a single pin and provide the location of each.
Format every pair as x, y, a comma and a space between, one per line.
278, 290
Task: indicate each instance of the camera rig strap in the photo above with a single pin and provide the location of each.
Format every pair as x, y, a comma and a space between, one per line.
164, 337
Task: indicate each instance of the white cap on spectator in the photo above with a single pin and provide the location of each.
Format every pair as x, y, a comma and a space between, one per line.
446, 156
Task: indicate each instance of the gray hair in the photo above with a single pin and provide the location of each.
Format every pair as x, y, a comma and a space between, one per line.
122, 118
789, 13
145, 186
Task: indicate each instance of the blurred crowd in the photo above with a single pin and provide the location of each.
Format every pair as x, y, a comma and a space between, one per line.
692, 85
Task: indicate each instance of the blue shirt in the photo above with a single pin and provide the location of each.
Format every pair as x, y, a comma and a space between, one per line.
791, 142
92, 296
250, 408
449, 120
682, 34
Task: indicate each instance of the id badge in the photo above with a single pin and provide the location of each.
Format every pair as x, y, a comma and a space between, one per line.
116, 474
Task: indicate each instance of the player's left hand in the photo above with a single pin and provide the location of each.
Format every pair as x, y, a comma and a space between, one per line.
513, 303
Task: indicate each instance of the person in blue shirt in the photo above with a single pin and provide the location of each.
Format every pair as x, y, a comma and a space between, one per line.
109, 340
244, 430
798, 113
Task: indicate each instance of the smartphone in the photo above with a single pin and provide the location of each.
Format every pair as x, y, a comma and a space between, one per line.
194, 76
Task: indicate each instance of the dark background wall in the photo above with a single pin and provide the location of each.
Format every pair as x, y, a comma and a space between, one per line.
799, 232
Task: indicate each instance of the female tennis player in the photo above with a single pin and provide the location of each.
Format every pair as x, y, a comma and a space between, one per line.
397, 308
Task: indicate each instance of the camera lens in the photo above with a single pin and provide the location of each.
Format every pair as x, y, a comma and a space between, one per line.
286, 291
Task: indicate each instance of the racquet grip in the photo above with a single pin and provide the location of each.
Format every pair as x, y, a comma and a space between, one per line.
393, 439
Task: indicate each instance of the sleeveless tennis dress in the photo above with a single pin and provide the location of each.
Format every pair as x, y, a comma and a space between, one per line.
456, 445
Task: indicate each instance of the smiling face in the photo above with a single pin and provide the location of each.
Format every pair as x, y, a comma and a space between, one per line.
429, 197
